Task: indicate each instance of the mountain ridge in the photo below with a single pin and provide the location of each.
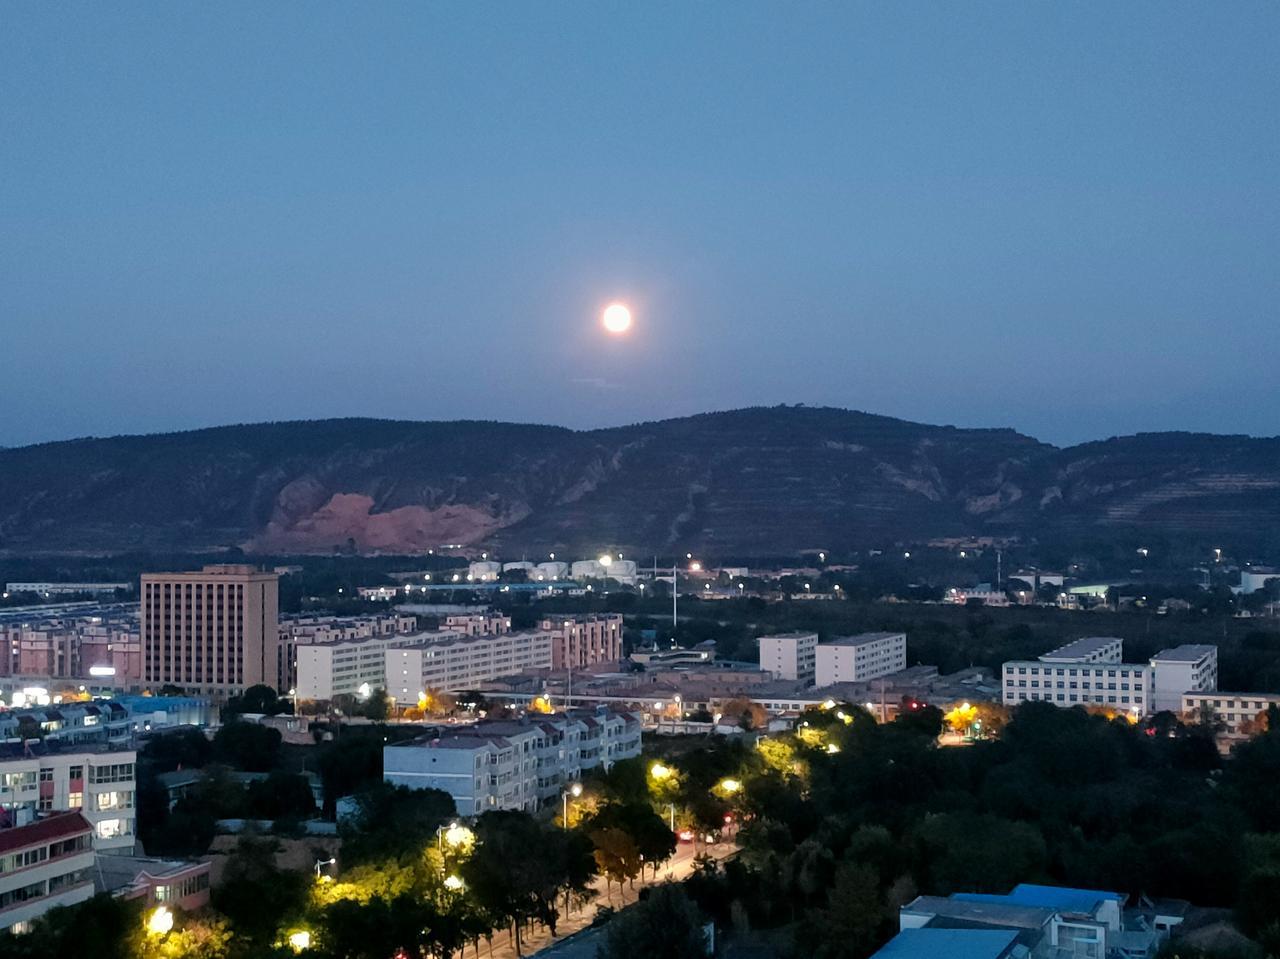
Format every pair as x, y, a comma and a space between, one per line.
750, 481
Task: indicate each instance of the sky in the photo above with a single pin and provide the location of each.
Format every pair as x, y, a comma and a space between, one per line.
1061, 218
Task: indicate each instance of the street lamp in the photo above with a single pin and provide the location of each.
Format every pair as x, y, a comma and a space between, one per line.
160, 922
575, 791
730, 786
660, 772
300, 940
323, 862
453, 883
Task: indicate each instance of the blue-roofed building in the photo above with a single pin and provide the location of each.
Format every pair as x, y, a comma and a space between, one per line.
1049, 921
1098, 905
953, 944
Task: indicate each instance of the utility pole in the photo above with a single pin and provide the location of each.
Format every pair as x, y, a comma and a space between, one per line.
675, 594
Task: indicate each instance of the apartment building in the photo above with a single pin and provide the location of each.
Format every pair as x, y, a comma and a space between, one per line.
852, 659
518, 764
295, 631
351, 667
101, 786
1233, 710
790, 656
43, 865
1091, 672
215, 631
478, 624
99, 723
579, 641
89, 650
457, 663
1184, 669
1088, 672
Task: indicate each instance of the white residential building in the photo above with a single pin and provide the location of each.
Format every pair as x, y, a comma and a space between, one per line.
1183, 669
353, 667
1232, 709
43, 865
789, 655
517, 764
101, 786
463, 662
1087, 672
851, 659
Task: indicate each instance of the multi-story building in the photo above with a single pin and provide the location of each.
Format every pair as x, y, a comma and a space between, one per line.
852, 659
44, 864
1091, 672
790, 655
1233, 710
309, 630
518, 764
68, 589
350, 667
1183, 669
155, 882
479, 624
99, 785
98, 724
1087, 672
579, 641
458, 663
101, 649
215, 631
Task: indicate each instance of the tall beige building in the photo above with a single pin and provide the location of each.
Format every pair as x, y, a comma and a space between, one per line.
215, 632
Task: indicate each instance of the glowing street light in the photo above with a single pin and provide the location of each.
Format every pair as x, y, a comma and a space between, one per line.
453, 883
300, 940
160, 922
575, 791
321, 863
660, 772
730, 786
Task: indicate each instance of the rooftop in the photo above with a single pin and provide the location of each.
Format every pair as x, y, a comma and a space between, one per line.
42, 831
1186, 653
949, 944
1080, 648
861, 639
1057, 898
999, 912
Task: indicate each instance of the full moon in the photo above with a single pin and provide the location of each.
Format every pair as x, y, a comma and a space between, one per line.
616, 318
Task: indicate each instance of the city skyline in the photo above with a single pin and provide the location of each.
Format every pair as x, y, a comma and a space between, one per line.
1056, 220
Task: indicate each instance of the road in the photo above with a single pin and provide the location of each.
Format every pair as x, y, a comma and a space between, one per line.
677, 869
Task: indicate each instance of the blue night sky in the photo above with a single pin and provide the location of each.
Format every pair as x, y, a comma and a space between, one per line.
1061, 218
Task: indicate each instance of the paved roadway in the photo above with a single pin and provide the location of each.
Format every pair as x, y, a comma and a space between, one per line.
583, 945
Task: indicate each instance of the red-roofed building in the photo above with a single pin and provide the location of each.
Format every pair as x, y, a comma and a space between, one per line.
44, 864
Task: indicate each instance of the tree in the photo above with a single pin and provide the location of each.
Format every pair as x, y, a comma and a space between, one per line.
113, 926
378, 706
664, 925
259, 699
258, 896
616, 855
184, 747
247, 746
393, 822
851, 925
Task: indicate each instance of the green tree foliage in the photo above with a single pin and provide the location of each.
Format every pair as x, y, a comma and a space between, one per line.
393, 822
664, 925
247, 746
256, 895
111, 926
185, 748
259, 699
